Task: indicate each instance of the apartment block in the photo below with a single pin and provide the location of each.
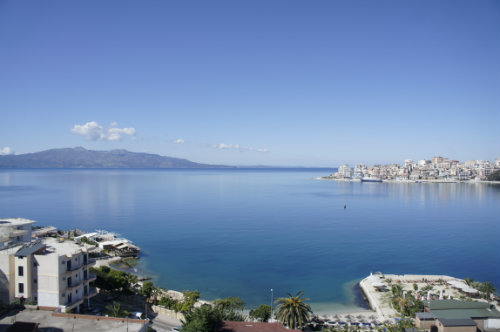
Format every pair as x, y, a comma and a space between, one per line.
14, 231
53, 273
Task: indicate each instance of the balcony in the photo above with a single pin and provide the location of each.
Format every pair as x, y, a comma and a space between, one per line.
91, 293
74, 285
89, 262
90, 277
73, 304
73, 269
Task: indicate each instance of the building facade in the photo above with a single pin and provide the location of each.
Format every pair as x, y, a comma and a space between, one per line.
52, 273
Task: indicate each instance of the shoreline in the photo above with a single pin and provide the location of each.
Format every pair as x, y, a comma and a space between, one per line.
378, 308
328, 178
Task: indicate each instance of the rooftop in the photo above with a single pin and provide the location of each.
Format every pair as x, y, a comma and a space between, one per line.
228, 326
67, 248
30, 248
457, 322
465, 313
425, 315
15, 221
455, 304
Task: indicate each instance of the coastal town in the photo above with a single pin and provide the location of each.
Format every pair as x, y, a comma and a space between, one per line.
86, 281
438, 169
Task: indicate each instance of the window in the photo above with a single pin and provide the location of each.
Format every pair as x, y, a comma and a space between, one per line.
20, 287
34, 281
20, 271
63, 262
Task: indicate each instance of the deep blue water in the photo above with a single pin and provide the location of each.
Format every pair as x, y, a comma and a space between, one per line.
242, 232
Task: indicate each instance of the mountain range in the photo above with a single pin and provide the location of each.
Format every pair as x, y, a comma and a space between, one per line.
82, 158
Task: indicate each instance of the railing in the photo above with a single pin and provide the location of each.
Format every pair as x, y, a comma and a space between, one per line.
73, 285
90, 277
92, 292
90, 261
73, 268
73, 303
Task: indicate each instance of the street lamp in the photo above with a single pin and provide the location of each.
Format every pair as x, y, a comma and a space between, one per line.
271, 318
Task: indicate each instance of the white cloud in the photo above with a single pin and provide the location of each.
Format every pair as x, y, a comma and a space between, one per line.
6, 151
224, 146
93, 131
179, 141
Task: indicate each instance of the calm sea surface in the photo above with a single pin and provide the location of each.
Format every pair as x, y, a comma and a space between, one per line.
243, 232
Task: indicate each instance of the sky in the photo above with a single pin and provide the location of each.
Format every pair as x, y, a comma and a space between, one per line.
285, 83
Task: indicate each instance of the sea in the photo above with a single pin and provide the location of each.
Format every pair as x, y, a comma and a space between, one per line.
263, 233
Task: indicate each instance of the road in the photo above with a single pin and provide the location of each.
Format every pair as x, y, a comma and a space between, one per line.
164, 324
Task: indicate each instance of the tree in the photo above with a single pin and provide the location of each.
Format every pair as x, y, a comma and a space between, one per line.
229, 308
262, 313
397, 291
487, 288
202, 319
495, 176
115, 310
114, 280
147, 289
400, 326
292, 311
190, 298
469, 281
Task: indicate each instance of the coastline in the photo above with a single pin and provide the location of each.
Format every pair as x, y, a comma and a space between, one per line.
329, 178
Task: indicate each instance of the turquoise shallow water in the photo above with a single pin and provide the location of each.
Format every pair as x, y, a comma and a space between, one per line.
242, 232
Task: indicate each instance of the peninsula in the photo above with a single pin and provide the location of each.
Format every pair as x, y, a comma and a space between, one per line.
438, 169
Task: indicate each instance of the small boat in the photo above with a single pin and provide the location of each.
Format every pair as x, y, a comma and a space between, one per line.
367, 179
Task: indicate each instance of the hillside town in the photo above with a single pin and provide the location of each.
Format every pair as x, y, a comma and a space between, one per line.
438, 169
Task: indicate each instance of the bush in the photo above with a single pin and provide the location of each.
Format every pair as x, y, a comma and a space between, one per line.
114, 280
202, 319
262, 313
495, 176
168, 303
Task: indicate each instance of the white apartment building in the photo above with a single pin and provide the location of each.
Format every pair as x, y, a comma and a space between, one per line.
14, 231
55, 274
345, 171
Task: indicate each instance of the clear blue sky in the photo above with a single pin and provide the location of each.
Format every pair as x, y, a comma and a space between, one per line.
313, 83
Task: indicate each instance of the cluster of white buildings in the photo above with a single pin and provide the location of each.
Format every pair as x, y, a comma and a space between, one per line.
51, 272
438, 168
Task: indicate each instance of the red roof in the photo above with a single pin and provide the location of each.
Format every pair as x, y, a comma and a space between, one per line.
253, 327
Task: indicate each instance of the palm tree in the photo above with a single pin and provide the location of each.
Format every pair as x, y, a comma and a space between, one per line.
488, 289
397, 291
115, 310
293, 311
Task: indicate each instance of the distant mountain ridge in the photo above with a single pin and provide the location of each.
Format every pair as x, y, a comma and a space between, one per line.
82, 158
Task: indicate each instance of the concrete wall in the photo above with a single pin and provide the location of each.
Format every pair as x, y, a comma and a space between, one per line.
27, 236
49, 267
479, 322
425, 324
167, 312
442, 328
492, 323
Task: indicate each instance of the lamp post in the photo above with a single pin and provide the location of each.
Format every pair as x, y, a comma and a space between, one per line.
271, 318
